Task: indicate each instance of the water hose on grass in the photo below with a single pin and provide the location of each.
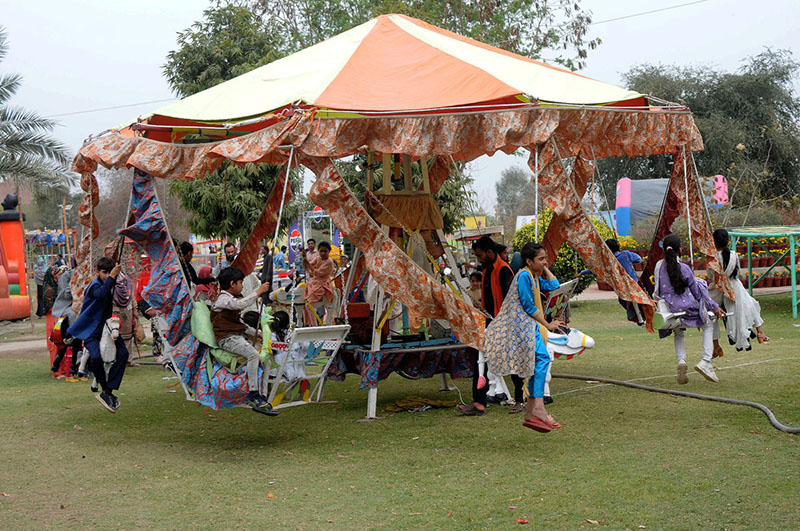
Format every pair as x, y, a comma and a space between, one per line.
764, 409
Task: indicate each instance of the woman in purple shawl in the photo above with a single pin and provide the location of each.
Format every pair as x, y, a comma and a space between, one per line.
676, 284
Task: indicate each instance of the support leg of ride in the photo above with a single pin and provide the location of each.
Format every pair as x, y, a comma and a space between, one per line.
444, 386
372, 404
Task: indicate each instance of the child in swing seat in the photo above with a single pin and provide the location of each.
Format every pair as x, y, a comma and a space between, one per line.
229, 330
676, 284
319, 288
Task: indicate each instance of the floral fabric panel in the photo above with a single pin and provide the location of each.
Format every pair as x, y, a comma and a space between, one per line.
560, 195
702, 239
376, 366
391, 268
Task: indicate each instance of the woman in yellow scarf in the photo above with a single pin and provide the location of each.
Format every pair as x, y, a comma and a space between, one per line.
515, 341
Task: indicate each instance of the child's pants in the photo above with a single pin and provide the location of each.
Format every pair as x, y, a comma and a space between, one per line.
117, 370
536, 383
708, 341
238, 344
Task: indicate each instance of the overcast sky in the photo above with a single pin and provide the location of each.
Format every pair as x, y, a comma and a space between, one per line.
81, 55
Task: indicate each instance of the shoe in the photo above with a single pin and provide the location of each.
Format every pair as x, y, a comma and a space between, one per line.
94, 388
707, 370
71, 379
469, 410
259, 404
114, 400
548, 400
107, 402
518, 407
717, 352
82, 378
682, 377
537, 424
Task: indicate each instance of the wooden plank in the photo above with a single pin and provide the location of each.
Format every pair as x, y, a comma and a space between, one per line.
387, 173
408, 185
426, 180
370, 173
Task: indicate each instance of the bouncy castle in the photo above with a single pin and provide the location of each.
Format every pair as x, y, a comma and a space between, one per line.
14, 301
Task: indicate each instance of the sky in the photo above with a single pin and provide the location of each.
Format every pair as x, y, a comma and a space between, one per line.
93, 54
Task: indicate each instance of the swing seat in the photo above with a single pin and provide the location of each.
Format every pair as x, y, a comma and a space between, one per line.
203, 331
323, 345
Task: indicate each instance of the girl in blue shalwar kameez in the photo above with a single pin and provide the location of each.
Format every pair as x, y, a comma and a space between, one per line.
516, 338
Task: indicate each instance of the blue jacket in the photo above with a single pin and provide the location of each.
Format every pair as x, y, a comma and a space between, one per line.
97, 306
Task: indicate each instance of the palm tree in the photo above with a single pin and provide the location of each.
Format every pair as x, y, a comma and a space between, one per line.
29, 156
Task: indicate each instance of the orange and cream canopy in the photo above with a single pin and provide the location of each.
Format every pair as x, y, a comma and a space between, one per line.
392, 63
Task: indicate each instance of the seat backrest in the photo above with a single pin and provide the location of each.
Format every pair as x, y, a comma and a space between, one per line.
317, 334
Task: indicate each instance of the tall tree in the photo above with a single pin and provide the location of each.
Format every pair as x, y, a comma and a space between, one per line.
228, 42
748, 120
29, 156
514, 193
526, 27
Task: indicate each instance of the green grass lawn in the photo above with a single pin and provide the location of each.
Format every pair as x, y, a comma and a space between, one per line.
624, 458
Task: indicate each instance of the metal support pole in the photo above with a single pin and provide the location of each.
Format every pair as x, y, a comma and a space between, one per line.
792, 243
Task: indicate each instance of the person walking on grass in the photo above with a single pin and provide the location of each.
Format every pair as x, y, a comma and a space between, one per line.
496, 281
745, 320
516, 338
676, 284
98, 300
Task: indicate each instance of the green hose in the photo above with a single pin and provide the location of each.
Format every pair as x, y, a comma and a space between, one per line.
764, 409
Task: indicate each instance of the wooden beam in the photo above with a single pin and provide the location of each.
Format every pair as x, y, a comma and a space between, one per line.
387, 173
408, 185
426, 180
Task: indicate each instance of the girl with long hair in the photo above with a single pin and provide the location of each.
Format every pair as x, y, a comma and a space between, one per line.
745, 322
676, 284
516, 338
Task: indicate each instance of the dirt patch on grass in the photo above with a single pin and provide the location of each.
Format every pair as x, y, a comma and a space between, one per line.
36, 349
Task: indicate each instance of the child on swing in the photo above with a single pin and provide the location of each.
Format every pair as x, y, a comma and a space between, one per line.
676, 284
746, 311
515, 339
319, 288
88, 327
229, 330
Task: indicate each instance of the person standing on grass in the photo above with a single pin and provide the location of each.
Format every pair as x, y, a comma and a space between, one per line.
98, 300
38, 276
676, 284
497, 278
227, 260
516, 340
745, 310
626, 259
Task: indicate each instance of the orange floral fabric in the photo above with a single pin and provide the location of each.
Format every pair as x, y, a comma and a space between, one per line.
391, 268
610, 132
702, 239
560, 196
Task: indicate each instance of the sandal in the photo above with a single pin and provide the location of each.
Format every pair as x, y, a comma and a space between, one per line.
762, 337
717, 352
537, 424
552, 422
469, 410
518, 407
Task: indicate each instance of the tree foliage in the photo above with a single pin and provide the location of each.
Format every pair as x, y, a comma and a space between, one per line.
228, 42
568, 262
526, 27
229, 201
748, 120
29, 156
